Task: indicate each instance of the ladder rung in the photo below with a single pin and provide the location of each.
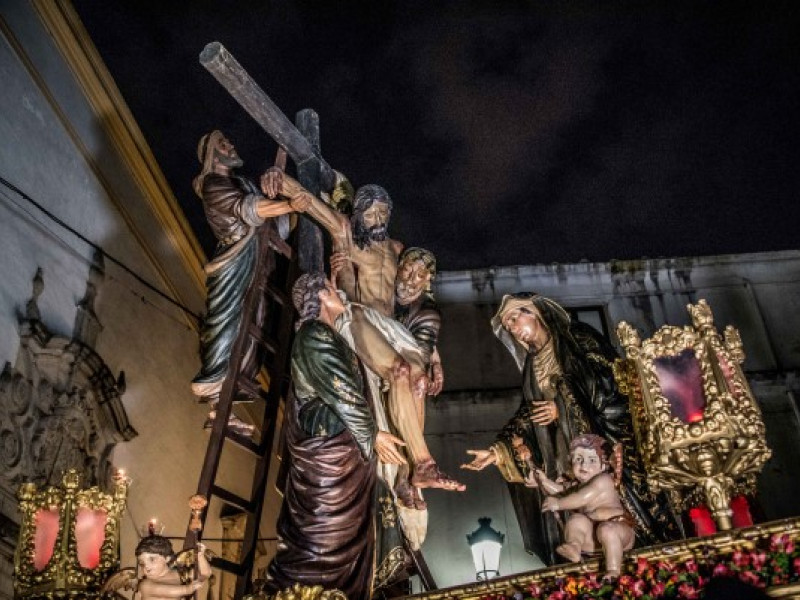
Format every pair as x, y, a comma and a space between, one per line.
252, 388
227, 565
268, 342
276, 293
244, 441
232, 499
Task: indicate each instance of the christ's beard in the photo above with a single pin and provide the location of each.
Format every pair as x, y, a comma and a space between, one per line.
364, 236
378, 233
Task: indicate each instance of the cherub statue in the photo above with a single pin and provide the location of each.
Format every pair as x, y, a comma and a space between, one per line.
159, 578
160, 574
598, 518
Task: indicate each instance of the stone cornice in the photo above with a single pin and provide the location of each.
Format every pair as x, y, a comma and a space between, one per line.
74, 43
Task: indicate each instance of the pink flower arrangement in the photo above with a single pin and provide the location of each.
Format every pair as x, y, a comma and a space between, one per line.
642, 566
740, 559
758, 560
535, 590
591, 582
657, 589
639, 588
774, 563
751, 577
782, 543
721, 570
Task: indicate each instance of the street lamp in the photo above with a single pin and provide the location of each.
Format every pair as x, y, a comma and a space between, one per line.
486, 544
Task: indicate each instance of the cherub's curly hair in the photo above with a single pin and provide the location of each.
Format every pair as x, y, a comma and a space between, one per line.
305, 296
611, 456
591, 441
155, 544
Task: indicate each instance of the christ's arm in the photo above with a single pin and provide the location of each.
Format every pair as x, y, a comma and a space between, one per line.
275, 182
584, 496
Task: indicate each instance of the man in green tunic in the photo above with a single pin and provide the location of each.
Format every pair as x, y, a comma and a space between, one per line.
327, 521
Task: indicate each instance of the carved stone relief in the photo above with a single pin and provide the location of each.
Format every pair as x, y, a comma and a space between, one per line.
60, 405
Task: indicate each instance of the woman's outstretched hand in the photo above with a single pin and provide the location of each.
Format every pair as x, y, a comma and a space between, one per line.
483, 458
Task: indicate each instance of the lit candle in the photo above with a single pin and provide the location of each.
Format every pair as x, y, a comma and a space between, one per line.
121, 478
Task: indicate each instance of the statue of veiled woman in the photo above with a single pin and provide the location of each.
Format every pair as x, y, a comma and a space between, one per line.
568, 390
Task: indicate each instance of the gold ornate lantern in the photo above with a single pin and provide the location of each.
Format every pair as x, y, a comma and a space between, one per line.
698, 427
69, 538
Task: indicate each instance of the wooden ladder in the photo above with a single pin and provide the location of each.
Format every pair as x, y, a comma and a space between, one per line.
268, 292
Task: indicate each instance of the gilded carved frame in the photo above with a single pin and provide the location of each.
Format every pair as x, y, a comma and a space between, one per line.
724, 450
63, 573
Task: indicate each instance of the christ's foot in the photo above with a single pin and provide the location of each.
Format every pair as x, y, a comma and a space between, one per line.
405, 494
428, 475
408, 496
570, 551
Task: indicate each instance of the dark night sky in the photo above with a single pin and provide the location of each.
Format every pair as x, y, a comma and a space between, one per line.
506, 133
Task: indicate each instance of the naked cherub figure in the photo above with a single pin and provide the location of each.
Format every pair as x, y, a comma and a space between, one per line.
598, 520
159, 580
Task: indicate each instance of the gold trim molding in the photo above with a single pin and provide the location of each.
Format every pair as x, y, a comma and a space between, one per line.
75, 45
300, 592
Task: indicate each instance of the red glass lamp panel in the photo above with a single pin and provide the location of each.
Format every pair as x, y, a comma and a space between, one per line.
44, 540
681, 384
90, 533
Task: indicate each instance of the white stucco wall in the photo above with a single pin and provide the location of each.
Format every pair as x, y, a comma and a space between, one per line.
54, 148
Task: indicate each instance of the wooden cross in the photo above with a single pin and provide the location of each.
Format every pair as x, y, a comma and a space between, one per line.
301, 142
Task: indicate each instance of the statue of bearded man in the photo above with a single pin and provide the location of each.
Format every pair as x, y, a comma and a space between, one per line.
365, 258
235, 209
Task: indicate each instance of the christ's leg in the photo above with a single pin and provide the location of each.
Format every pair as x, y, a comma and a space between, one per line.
405, 385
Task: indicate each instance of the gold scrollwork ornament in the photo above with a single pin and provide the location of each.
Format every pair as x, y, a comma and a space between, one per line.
301, 592
62, 573
722, 447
